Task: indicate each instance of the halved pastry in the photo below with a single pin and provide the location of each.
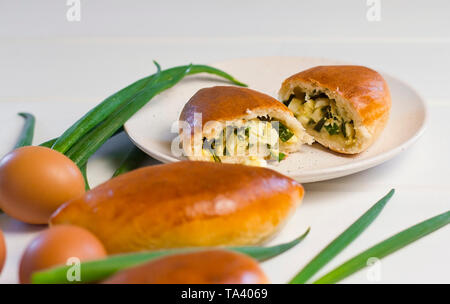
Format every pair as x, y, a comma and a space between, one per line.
343, 107
239, 125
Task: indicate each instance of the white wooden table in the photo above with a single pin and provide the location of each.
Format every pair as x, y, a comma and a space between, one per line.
58, 69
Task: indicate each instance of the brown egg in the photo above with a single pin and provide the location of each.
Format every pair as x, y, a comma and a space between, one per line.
201, 267
35, 181
2, 251
55, 245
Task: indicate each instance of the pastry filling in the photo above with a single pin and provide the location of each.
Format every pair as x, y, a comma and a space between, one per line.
252, 141
318, 112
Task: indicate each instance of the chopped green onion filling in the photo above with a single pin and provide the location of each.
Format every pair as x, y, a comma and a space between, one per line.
320, 124
287, 102
284, 133
332, 129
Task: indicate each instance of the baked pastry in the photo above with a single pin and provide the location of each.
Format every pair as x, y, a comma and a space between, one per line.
344, 107
238, 125
184, 204
201, 267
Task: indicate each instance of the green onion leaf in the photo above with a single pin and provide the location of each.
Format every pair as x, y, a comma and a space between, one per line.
102, 111
49, 143
97, 115
94, 271
92, 141
134, 158
83, 170
342, 241
386, 247
26, 136
158, 67
264, 253
200, 68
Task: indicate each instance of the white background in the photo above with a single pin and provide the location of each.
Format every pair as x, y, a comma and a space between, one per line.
58, 69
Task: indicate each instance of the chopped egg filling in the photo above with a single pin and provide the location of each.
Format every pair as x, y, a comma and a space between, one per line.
252, 142
320, 113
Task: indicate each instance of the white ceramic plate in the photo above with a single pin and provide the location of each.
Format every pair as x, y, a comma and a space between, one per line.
150, 128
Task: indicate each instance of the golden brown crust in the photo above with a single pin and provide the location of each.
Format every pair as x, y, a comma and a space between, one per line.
227, 103
203, 267
364, 88
184, 204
